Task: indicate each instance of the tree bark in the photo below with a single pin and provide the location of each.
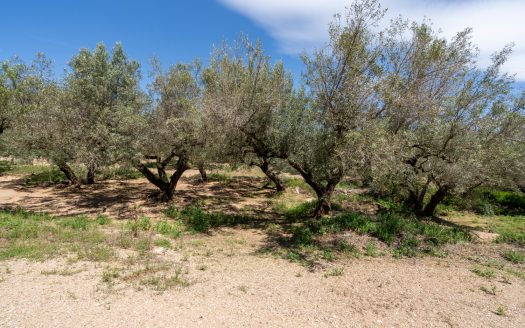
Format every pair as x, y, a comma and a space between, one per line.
160, 180
202, 171
324, 196
90, 177
435, 200
323, 192
273, 176
68, 172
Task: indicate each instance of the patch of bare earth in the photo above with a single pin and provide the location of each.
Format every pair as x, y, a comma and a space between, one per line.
226, 281
231, 286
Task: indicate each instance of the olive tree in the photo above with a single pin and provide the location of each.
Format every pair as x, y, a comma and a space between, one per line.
89, 118
103, 100
449, 126
341, 79
250, 101
20, 88
173, 136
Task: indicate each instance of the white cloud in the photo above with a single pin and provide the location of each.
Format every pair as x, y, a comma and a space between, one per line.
302, 24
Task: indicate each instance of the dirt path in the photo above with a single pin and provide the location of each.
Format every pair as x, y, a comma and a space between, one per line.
234, 285
260, 291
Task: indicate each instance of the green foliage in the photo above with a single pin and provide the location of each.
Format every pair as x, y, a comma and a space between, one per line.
511, 237
198, 220
295, 212
103, 219
50, 175
484, 272
40, 236
513, 256
345, 247
371, 249
407, 234
501, 311
173, 230
488, 202
302, 236
141, 224
172, 212
76, 223
164, 243
293, 182
118, 173
143, 245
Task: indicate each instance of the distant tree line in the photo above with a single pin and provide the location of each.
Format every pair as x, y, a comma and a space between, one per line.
409, 113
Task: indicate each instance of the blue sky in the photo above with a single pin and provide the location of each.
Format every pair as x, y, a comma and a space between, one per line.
182, 30
172, 30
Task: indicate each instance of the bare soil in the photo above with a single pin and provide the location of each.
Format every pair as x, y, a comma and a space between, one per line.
231, 283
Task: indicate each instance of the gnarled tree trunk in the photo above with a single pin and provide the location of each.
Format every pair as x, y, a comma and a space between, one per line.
69, 173
272, 175
90, 177
435, 200
166, 185
324, 192
202, 171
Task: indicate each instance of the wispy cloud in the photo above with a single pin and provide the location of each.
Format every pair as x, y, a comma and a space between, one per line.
302, 24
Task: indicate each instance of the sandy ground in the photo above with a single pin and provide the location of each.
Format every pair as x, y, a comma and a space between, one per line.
243, 289
124, 198
240, 287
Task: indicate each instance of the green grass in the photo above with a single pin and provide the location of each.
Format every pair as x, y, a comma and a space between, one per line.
36, 236
513, 256
174, 229
335, 272
162, 242
295, 211
40, 236
219, 177
484, 272
293, 182
118, 173
196, 219
103, 220
371, 249
47, 175
485, 201
407, 235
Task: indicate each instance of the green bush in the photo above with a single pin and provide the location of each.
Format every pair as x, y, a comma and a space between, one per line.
103, 219
196, 219
405, 233
173, 230
302, 236
488, 202
200, 221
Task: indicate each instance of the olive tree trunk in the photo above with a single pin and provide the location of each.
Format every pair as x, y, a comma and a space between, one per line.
166, 185
202, 171
273, 176
90, 177
69, 173
323, 191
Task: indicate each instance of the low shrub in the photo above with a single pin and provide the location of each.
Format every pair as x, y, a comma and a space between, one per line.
511, 237
406, 233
